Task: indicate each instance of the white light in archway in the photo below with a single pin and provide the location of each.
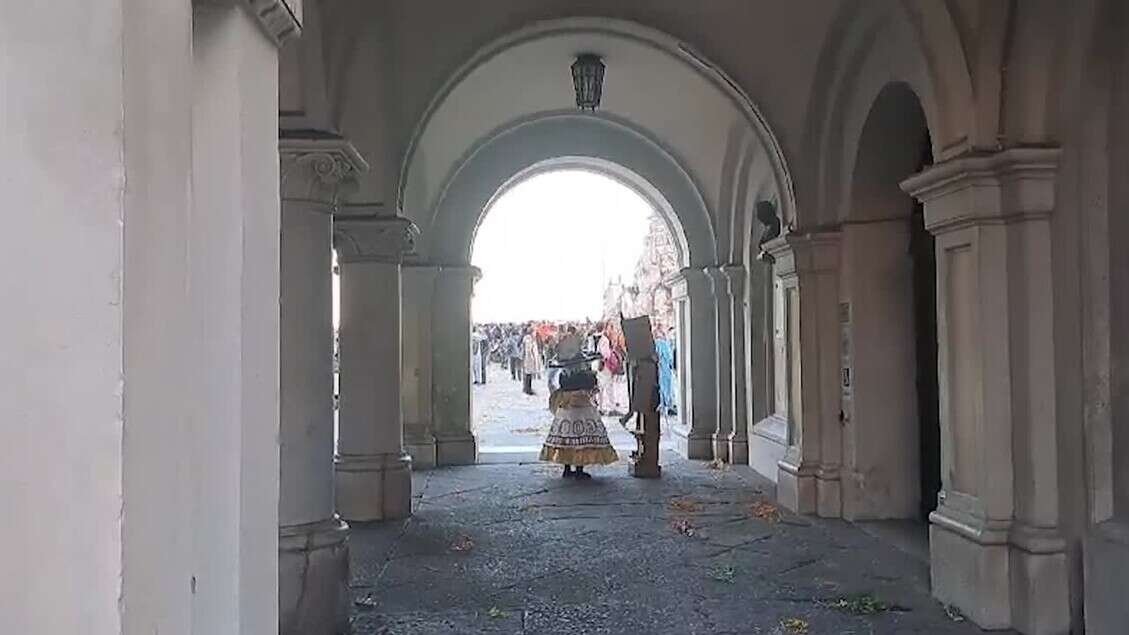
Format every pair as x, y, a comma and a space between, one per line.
548, 246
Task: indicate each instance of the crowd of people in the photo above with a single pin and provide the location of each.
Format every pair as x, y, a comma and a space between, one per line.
525, 350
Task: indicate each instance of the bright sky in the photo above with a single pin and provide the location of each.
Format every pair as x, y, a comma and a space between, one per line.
549, 244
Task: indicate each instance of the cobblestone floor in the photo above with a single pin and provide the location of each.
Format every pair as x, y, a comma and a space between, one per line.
513, 548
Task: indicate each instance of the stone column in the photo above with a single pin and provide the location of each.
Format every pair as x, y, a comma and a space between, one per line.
739, 435
418, 294
451, 406
723, 344
313, 552
373, 471
995, 545
807, 304
697, 363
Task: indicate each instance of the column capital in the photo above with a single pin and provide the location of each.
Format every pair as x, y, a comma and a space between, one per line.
1013, 185
377, 239
280, 19
695, 281
799, 253
318, 170
736, 276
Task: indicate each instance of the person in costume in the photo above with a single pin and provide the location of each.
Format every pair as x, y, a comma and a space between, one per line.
577, 437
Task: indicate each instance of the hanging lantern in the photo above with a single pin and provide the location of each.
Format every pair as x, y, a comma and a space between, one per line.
588, 81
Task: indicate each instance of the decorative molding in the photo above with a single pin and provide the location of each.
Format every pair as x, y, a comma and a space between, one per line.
386, 239
318, 171
281, 19
1013, 185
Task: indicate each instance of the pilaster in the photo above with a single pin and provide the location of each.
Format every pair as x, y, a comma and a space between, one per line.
697, 354
419, 286
723, 344
739, 436
373, 471
995, 546
807, 298
451, 397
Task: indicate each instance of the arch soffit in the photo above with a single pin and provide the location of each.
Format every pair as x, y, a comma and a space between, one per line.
875, 44
418, 179
568, 141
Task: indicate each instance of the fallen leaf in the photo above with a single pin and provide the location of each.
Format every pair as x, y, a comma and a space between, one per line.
497, 613
722, 574
795, 625
367, 603
685, 505
864, 604
953, 613
462, 543
683, 526
765, 511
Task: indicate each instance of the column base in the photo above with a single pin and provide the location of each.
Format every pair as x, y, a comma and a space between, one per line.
376, 487
695, 446
460, 449
1040, 591
796, 488
969, 568
738, 449
420, 445
829, 493
721, 446
1107, 559
313, 579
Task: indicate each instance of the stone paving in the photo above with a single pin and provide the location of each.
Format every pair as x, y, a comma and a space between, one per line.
511, 425
513, 548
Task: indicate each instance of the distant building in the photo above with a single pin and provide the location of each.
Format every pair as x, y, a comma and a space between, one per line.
645, 293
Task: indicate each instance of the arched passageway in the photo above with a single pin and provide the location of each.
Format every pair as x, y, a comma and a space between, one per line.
509, 112
567, 245
889, 402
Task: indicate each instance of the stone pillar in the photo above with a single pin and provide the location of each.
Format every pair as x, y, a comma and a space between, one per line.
313, 554
696, 362
739, 435
418, 297
996, 549
373, 471
451, 397
723, 344
807, 313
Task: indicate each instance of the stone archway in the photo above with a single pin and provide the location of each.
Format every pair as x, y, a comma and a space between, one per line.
594, 144
511, 109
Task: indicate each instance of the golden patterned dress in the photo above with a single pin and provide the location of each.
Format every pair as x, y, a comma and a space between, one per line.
578, 436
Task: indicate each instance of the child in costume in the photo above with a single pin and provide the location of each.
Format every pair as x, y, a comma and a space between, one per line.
577, 437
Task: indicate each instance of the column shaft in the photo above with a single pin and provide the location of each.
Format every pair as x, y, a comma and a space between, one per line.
373, 471
697, 359
313, 558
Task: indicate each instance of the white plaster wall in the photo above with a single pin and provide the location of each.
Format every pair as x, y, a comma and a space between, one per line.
60, 286
158, 525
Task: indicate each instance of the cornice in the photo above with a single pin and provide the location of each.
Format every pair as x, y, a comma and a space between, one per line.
1013, 185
